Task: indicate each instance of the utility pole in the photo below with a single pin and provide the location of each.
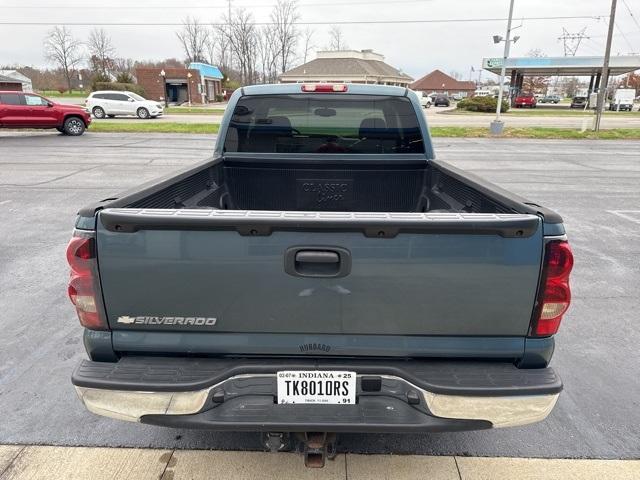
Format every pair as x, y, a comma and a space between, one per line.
497, 125
602, 88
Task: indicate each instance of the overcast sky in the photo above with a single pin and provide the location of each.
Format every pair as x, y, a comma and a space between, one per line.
414, 48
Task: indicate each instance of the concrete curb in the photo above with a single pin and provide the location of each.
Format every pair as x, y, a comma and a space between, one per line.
36, 462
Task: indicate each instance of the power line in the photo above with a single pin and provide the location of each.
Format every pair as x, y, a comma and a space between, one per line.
336, 22
633, 17
631, 49
200, 7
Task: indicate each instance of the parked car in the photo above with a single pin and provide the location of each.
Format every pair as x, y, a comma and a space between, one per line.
254, 292
425, 100
623, 99
29, 110
441, 100
525, 100
551, 99
578, 102
111, 103
457, 96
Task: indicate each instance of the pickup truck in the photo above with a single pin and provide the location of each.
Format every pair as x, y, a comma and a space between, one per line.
321, 273
525, 100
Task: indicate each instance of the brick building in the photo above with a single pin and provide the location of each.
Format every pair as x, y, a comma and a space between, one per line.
200, 83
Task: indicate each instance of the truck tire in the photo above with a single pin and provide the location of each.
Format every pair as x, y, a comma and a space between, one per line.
61, 130
143, 113
74, 126
98, 112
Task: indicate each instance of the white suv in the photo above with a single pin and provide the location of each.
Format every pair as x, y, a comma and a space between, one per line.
108, 103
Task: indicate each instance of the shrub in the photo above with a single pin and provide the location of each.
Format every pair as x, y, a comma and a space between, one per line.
219, 97
124, 77
61, 90
131, 87
481, 104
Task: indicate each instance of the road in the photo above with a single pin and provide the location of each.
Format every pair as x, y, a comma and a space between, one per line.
437, 118
46, 177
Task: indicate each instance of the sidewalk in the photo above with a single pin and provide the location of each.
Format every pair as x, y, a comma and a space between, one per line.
36, 462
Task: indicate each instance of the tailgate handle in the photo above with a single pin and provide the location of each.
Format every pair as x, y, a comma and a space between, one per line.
312, 256
331, 262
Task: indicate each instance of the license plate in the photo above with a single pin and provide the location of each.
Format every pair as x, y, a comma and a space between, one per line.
314, 386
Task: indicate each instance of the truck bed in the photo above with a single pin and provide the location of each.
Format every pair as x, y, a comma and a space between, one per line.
244, 183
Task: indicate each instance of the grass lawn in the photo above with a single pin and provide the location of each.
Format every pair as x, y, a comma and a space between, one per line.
154, 127
543, 112
56, 94
539, 132
468, 132
194, 110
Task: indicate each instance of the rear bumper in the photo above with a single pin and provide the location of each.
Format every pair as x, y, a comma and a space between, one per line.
238, 395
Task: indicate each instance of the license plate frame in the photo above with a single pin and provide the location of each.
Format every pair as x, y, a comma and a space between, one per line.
316, 387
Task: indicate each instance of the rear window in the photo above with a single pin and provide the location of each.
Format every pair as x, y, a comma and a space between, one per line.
11, 99
324, 123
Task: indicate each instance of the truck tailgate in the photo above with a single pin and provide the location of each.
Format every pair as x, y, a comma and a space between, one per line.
447, 281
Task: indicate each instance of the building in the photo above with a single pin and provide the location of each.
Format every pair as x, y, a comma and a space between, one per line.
347, 66
200, 83
13, 77
439, 82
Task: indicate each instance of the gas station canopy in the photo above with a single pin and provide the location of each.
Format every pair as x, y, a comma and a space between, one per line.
570, 66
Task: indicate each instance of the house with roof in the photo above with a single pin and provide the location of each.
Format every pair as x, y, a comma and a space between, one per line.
439, 82
347, 66
14, 80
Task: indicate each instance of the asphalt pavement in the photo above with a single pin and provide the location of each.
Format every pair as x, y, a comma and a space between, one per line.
595, 185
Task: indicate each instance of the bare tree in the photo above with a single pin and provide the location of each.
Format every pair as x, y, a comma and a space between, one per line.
307, 43
241, 34
336, 39
101, 50
268, 54
194, 37
284, 17
455, 74
535, 84
62, 49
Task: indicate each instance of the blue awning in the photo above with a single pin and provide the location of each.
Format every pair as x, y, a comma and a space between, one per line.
206, 70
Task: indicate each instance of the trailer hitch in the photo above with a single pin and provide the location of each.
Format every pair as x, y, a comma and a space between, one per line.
317, 447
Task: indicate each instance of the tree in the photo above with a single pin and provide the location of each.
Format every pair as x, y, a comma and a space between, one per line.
455, 74
285, 33
65, 51
194, 37
268, 54
535, 84
240, 32
307, 43
101, 50
336, 39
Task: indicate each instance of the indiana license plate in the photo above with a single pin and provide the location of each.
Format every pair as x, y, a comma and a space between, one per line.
315, 386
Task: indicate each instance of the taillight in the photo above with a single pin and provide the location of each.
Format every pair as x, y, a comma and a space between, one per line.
555, 294
83, 283
324, 87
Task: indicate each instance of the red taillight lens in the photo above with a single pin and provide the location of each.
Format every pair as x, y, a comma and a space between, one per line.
324, 87
83, 290
555, 294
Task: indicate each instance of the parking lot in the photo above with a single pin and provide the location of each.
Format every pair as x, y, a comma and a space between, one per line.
46, 177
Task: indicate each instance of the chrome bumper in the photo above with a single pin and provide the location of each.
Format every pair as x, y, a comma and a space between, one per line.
501, 411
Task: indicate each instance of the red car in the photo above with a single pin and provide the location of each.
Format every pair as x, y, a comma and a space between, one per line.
525, 100
28, 110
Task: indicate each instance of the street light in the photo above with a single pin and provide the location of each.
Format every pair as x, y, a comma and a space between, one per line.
189, 75
497, 125
163, 74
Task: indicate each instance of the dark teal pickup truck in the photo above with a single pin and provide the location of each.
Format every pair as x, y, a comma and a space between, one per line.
321, 273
